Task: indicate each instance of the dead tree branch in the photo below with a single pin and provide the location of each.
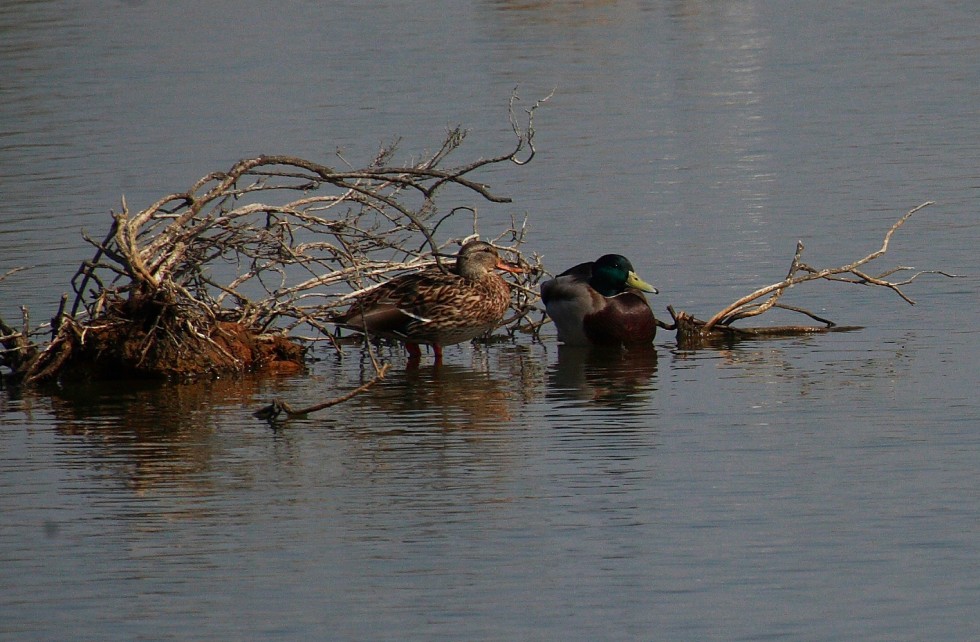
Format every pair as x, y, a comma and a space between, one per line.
693, 331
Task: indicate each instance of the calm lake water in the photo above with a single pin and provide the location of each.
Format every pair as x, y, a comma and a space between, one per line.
820, 488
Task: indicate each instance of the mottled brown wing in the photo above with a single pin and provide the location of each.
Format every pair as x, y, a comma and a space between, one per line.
394, 306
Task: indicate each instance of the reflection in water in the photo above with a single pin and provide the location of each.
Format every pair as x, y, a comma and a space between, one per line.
445, 397
584, 13
174, 440
426, 441
605, 376
148, 434
480, 395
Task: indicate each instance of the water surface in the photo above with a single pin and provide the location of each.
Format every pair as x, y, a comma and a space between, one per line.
819, 488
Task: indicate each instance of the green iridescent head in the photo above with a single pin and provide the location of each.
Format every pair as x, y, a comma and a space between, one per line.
613, 273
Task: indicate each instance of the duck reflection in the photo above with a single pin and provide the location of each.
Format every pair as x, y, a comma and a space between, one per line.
445, 428
447, 397
603, 375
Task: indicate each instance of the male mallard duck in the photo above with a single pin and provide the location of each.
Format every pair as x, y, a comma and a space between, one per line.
600, 303
435, 307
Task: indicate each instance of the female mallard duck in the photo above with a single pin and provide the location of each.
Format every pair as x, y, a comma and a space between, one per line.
435, 307
600, 303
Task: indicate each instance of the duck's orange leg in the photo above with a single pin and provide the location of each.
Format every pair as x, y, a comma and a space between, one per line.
437, 349
413, 350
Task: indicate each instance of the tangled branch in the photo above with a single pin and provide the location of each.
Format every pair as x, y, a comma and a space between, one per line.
270, 247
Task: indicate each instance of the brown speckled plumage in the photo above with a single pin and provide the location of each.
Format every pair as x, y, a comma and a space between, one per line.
435, 307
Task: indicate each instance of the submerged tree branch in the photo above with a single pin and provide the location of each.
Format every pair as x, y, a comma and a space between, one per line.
278, 407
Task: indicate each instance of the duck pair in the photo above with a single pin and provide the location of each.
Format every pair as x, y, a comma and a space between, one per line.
594, 303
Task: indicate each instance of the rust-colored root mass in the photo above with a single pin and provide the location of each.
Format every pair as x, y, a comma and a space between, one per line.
125, 347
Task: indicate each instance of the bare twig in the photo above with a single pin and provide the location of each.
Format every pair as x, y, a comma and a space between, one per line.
276, 409
12, 271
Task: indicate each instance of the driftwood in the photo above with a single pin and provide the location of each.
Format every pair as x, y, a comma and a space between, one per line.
238, 272
693, 333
